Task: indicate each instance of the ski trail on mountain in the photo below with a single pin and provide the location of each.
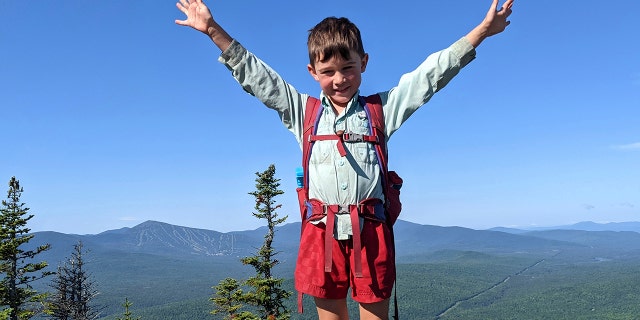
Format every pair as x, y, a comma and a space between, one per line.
497, 284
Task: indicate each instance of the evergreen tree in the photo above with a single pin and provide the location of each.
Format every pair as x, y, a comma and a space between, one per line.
127, 313
264, 291
4, 314
267, 293
74, 290
18, 272
228, 301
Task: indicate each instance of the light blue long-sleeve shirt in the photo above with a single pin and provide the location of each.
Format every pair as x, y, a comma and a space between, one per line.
335, 179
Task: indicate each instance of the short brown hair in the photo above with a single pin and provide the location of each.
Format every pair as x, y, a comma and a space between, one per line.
334, 36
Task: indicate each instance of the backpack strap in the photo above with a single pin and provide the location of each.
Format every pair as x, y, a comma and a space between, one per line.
375, 114
373, 107
313, 111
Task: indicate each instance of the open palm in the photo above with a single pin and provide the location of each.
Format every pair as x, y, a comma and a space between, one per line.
198, 15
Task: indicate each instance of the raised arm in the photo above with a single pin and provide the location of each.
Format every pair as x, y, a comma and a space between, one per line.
494, 22
199, 17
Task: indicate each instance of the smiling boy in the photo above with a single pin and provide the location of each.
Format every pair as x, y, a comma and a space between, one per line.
343, 177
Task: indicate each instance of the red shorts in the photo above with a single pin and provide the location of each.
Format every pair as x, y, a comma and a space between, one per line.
378, 265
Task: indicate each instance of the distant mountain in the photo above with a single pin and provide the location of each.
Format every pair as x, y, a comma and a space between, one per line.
508, 230
166, 240
154, 238
150, 261
585, 226
163, 239
628, 240
412, 239
611, 226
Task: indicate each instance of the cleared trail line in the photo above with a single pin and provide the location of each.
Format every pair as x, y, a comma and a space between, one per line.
497, 284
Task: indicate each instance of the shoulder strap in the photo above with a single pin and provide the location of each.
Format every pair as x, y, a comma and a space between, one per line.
312, 113
373, 107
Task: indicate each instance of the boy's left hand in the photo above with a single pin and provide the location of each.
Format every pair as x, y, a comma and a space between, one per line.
494, 22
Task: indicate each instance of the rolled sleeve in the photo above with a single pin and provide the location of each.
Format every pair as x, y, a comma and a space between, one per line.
464, 50
233, 55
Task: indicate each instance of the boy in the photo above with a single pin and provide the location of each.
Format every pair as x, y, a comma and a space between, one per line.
343, 177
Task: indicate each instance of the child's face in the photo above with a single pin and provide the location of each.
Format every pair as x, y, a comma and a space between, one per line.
339, 78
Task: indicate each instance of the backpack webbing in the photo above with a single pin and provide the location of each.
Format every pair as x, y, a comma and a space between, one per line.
373, 108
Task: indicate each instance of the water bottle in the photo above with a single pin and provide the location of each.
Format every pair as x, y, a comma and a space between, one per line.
300, 177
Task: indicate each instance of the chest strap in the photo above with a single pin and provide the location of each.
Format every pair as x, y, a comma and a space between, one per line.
343, 137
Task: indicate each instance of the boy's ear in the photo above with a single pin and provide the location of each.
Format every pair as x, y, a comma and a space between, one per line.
312, 72
363, 64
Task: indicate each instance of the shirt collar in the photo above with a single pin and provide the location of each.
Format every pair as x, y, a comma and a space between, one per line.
327, 103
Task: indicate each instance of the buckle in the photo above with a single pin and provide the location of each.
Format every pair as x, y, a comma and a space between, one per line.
352, 137
340, 208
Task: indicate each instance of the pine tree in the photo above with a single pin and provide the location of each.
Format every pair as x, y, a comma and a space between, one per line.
228, 301
74, 290
4, 314
18, 273
264, 291
127, 313
267, 293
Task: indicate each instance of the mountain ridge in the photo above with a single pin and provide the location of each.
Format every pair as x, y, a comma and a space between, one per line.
583, 225
151, 261
164, 239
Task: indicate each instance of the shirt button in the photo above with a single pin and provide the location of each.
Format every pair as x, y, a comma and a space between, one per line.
341, 162
343, 186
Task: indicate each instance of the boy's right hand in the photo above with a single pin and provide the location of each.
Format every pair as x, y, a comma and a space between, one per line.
198, 15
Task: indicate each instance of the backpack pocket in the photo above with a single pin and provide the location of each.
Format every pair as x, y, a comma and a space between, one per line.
393, 204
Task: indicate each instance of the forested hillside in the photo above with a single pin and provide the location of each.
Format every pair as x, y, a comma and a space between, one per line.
168, 272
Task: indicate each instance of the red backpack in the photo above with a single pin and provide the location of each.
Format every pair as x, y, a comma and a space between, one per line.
391, 182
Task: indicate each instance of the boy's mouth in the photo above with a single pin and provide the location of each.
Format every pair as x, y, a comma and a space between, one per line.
341, 90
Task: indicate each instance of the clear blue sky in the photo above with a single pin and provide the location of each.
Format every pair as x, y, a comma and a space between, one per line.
112, 115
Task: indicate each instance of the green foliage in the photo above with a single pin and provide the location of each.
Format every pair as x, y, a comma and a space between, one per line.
165, 288
4, 314
16, 291
265, 292
561, 287
183, 310
565, 286
127, 313
228, 298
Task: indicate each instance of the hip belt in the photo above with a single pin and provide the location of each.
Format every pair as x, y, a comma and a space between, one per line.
369, 209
